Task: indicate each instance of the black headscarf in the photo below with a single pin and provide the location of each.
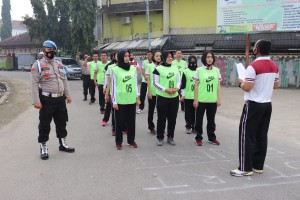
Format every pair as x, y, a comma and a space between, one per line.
164, 58
121, 63
192, 65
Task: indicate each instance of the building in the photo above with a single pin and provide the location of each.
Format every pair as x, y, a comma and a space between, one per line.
189, 25
12, 48
17, 27
21, 43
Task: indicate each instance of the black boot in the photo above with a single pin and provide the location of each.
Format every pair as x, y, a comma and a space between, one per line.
64, 147
44, 151
85, 98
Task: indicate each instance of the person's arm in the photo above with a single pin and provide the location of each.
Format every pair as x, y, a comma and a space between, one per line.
66, 89
95, 74
114, 91
276, 81
247, 85
148, 83
156, 81
77, 58
219, 101
159, 86
138, 102
108, 83
183, 85
183, 82
138, 69
35, 80
178, 81
196, 78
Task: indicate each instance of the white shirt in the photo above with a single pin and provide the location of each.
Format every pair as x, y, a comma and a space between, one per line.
263, 72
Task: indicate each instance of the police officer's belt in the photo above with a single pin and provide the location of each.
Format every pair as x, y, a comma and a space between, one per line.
55, 95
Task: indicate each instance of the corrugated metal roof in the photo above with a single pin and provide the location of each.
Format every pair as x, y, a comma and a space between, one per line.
142, 44
159, 42
135, 43
123, 45
280, 41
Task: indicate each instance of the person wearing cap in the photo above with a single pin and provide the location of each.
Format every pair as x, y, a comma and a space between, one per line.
50, 92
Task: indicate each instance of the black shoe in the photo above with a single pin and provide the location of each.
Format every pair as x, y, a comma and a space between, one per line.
64, 147
152, 131
85, 99
44, 151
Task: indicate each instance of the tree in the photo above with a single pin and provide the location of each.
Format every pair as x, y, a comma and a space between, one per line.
70, 23
6, 18
37, 25
83, 16
64, 24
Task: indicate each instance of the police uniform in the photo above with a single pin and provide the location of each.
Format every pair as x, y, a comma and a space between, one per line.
86, 79
50, 88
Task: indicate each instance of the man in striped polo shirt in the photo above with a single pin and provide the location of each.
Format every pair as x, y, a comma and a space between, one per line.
260, 80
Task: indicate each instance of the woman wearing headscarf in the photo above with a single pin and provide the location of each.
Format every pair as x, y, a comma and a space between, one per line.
187, 92
125, 96
107, 86
167, 82
152, 90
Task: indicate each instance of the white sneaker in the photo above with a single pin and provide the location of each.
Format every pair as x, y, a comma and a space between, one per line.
188, 130
139, 111
239, 173
259, 171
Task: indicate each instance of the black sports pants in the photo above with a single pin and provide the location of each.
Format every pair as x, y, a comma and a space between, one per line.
167, 109
253, 135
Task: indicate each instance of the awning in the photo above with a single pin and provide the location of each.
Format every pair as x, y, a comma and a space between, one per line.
111, 46
141, 44
158, 43
102, 46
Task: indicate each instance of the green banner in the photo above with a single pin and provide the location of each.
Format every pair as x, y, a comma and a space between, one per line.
246, 16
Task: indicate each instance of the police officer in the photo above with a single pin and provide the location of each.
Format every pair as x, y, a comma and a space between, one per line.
86, 77
50, 92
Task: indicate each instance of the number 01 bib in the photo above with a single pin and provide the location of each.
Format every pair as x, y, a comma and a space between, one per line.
208, 84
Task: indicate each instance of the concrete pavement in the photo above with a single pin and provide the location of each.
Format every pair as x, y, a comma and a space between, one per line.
98, 171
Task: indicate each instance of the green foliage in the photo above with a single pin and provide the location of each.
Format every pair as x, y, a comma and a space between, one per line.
70, 23
6, 18
83, 16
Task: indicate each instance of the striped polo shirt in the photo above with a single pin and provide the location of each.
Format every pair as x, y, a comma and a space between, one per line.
263, 72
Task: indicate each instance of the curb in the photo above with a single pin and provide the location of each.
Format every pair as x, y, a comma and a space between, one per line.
6, 93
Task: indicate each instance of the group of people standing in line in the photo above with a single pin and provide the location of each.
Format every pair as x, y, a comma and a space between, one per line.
168, 82
165, 82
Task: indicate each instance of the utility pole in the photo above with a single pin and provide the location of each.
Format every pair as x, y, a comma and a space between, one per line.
148, 22
247, 49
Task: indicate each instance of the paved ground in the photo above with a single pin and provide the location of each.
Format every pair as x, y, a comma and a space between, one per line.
98, 171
